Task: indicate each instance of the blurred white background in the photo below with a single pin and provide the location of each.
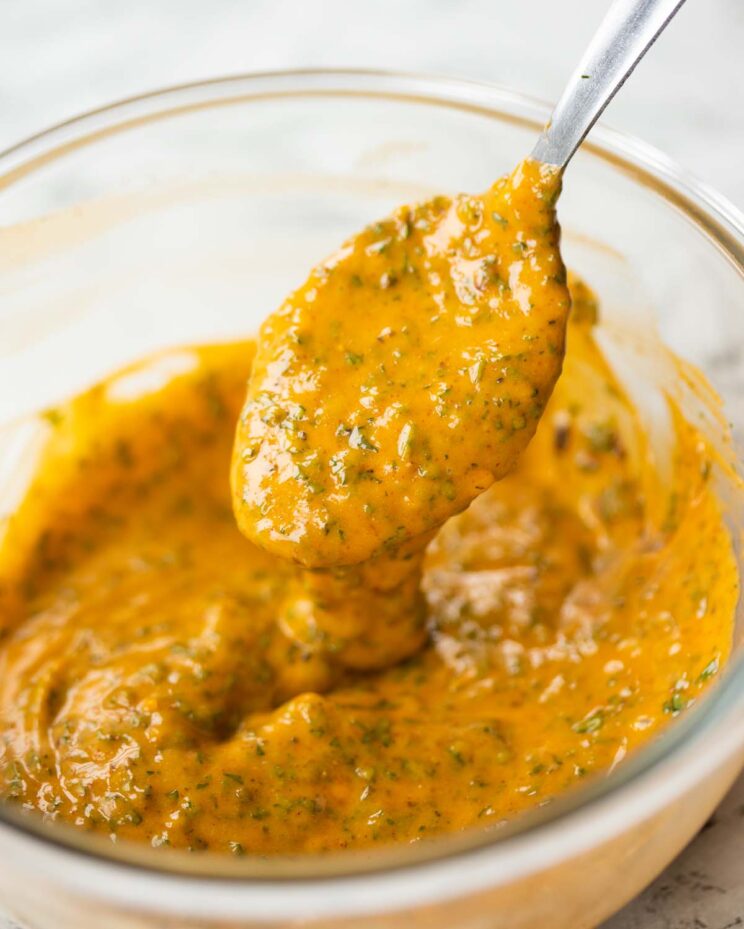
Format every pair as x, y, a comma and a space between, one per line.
59, 57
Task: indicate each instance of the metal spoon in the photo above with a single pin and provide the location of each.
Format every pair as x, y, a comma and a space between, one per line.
625, 35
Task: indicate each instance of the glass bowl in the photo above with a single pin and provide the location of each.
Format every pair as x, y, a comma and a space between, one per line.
185, 216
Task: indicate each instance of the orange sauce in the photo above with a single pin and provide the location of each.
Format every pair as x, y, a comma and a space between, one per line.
397, 384
152, 689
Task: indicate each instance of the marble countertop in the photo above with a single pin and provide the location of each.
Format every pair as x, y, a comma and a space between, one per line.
58, 59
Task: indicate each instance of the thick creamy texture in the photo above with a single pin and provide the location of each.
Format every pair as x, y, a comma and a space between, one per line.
397, 384
147, 691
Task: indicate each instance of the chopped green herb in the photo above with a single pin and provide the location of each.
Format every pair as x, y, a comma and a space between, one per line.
590, 724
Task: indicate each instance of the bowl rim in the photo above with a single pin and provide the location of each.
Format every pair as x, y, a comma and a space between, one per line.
636, 157
659, 774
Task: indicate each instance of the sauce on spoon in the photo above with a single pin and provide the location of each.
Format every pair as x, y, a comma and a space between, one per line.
397, 384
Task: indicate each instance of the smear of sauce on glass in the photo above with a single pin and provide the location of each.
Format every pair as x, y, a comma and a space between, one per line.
397, 384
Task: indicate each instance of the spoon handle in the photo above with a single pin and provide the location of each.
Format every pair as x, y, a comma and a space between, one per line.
625, 35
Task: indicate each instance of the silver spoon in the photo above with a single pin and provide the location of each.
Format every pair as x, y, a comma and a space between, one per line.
625, 35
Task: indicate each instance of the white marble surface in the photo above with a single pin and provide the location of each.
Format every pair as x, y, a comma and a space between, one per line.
59, 57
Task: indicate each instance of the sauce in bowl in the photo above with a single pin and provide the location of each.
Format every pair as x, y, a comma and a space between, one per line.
152, 688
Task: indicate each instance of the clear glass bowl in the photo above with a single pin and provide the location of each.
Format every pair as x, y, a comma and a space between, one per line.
186, 215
